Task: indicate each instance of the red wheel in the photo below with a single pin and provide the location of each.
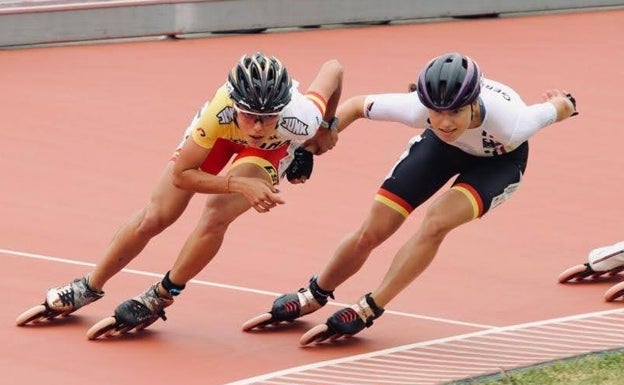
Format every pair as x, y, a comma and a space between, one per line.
577, 272
615, 292
257, 322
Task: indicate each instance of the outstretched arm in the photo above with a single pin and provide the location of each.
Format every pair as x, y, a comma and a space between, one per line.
347, 112
350, 111
328, 84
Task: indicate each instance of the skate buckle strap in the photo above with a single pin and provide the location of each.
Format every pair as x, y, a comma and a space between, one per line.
319, 294
307, 302
367, 309
152, 300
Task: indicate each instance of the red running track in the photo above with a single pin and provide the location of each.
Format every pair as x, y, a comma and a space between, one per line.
87, 129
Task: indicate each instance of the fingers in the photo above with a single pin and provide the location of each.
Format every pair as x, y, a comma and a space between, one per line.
322, 142
267, 201
552, 93
312, 146
303, 179
261, 194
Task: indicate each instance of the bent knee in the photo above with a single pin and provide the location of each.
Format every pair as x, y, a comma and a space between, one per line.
153, 222
217, 216
436, 225
368, 239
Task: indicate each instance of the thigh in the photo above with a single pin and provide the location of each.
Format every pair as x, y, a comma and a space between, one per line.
168, 201
266, 160
489, 182
224, 208
425, 166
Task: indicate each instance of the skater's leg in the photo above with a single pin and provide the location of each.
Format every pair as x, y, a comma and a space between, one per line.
166, 205
446, 213
449, 211
348, 258
206, 239
199, 249
354, 249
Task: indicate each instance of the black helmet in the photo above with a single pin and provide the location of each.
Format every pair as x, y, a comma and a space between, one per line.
449, 82
260, 83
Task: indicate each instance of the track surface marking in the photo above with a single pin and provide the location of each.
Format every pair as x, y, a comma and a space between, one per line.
87, 130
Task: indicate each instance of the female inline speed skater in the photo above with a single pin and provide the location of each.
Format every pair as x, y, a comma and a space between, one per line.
476, 130
259, 118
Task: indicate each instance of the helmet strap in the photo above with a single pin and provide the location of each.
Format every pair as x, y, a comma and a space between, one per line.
474, 118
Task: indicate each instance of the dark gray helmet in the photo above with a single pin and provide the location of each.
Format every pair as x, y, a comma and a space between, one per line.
260, 83
449, 82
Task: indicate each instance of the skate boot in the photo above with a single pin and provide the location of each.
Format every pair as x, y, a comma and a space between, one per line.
289, 307
345, 323
61, 301
607, 261
134, 314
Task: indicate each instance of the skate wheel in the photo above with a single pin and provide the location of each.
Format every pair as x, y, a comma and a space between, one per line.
615, 292
616, 271
257, 322
577, 272
318, 333
33, 314
104, 327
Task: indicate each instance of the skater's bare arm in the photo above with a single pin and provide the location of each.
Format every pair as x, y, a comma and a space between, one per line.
187, 175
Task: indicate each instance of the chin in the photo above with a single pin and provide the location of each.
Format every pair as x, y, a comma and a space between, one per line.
448, 138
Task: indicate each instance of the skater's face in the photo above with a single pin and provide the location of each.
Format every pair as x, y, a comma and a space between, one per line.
256, 127
450, 125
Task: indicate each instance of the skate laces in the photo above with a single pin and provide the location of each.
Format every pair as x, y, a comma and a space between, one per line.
66, 295
72, 296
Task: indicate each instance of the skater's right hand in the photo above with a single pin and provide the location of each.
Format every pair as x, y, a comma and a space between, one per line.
259, 193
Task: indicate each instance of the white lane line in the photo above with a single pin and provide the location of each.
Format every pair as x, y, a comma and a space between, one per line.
481, 337
234, 287
467, 338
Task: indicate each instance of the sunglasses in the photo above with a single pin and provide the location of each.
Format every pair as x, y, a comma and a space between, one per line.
263, 118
